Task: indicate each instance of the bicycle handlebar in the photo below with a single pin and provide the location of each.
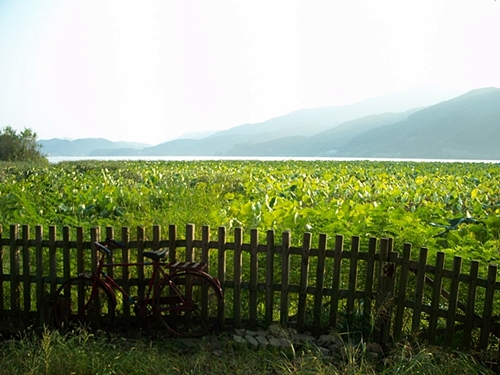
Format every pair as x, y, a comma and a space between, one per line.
108, 243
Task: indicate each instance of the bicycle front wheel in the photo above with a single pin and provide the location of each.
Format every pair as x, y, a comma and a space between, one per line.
84, 302
189, 304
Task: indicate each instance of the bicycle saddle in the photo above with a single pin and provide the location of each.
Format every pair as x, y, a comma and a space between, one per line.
155, 254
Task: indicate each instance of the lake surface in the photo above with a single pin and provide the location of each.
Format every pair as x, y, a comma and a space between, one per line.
57, 159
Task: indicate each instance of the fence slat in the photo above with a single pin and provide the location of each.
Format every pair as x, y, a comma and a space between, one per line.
285, 277
189, 242
471, 301
221, 262
14, 271
320, 280
353, 274
26, 273
110, 233
401, 297
141, 285
453, 301
80, 256
172, 237
488, 306
237, 264
269, 276
205, 245
436, 297
419, 290
337, 261
304, 277
370, 271
125, 271
39, 266
254, 266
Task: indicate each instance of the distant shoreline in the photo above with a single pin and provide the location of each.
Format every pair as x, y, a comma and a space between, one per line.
58, 159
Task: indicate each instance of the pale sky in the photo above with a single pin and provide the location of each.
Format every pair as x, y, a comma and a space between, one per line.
149, 71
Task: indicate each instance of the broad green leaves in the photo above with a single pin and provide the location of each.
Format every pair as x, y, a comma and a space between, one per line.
453, 206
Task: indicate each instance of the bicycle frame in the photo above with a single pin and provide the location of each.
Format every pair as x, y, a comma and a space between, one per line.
140, 306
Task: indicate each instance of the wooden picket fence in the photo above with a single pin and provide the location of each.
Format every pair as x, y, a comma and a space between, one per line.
267, 279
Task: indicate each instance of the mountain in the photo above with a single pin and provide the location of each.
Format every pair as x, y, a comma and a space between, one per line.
85, 146
301, 123
324, 143
466, 127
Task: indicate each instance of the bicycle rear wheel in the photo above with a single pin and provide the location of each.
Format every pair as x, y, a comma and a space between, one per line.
84, 302
190, 305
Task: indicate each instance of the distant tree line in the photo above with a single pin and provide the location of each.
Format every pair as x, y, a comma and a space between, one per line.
20, 146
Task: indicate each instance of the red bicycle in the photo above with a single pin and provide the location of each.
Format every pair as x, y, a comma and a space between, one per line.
188, 301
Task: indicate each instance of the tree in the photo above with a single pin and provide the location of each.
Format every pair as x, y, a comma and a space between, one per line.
20, 146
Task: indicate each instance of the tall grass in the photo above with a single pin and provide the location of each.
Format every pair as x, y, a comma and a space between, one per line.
51, 353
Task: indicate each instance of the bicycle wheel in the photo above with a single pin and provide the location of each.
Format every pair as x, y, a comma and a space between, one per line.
84, 302
190, 305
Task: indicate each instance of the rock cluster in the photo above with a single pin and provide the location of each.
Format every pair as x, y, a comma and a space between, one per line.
276, 337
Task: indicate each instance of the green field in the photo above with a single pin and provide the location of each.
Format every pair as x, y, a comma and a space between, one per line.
453, 207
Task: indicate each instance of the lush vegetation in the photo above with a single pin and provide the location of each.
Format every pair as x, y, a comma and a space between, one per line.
444, 206
53, 354
453, 207
20, 146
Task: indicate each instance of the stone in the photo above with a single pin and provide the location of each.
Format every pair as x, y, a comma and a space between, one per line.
263, 343
274, 329
239, 340
325, 340
254, 344
240, 331
251, 333
304, 339
275, 343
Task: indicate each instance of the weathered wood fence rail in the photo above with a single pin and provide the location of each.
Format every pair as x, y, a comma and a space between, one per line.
309, 287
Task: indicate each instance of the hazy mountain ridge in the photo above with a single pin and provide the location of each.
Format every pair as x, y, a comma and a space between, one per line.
85, 146
465, 127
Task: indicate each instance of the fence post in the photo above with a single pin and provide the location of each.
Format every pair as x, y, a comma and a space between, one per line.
337, 261
221, 263
126, 271
385, 293
353, 273
471, 301
39, 267
172, 238
370, 271
304, 276
401, 297
320, 280
452, 306
419, 290
254, 267
189, 242
237, 265
14, 271
488, 306
270, 249
141, 284
205, 245
285, 277
26, 273
110, 233
436, 296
